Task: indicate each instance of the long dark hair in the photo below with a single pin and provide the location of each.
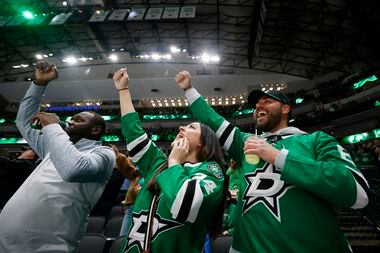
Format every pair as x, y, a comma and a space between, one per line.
212, 151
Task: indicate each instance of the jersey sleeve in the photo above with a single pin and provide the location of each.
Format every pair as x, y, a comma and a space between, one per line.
230, 137
145, 154
331, 175
192, 196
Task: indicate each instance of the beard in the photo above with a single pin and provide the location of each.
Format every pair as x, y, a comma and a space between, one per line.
272, 121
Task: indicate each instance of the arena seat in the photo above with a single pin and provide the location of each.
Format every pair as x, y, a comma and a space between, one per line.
92, 243
96, 224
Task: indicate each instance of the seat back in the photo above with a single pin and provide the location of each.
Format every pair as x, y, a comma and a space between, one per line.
116, 211
92, 243
113, 227
221, 244
95, 224
117, 244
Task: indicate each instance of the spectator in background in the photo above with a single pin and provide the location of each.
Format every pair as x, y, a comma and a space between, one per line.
125, 164
129, 171
234, 173
229, 216
183, 198
110, 194
14, 172
291, 180
49, 211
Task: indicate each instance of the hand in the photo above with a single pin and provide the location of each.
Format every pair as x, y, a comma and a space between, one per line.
136, 189
46, 118
183, 80
179, 152
45, 72
115, 150
121, 79
258, 146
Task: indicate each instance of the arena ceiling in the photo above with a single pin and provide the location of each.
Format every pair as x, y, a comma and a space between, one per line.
305, 38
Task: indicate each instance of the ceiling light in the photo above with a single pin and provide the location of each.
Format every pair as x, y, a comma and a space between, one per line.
215, 58
174, 49
205, 58
155, 56
64, 3
27, 14
113, 57
70, 60
39, 56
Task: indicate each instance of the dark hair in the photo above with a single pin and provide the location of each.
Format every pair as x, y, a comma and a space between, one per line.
212, 151
97, 120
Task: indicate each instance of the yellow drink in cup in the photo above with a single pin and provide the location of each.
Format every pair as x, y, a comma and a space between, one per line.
252, 158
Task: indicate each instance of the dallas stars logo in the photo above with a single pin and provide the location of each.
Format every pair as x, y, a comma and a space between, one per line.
265, 186
140, 225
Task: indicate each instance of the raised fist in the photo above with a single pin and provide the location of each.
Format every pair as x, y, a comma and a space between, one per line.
45, 72
121, 79
183, 80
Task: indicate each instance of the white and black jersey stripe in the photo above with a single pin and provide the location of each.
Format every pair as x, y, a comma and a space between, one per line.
187, 202
362, 189
138, 147
225, 134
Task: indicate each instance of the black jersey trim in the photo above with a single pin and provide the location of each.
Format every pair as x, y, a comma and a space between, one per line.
225, 134
187, 202
138, 147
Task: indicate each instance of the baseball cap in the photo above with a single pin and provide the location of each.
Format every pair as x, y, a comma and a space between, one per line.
255, 95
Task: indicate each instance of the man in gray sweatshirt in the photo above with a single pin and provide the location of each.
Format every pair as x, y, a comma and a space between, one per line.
48, 213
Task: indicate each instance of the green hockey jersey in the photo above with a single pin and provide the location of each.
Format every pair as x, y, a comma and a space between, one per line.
289, 209
189, 196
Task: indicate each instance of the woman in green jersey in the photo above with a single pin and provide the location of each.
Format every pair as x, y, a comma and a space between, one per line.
183, 196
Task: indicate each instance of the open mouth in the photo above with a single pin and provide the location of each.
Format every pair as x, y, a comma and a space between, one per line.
261, 114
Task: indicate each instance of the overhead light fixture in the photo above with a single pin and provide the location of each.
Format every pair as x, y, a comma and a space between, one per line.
113, 57
174, 49
155, 56
28, 14
215, 58
70, 60
39, 56
206, 58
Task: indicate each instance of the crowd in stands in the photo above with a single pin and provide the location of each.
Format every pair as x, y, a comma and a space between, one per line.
179, 180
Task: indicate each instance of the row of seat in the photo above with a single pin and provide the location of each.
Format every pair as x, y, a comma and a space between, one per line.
98, 243
110, 229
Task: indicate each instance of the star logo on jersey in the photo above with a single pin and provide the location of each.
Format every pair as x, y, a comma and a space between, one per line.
136, 235
264, 186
